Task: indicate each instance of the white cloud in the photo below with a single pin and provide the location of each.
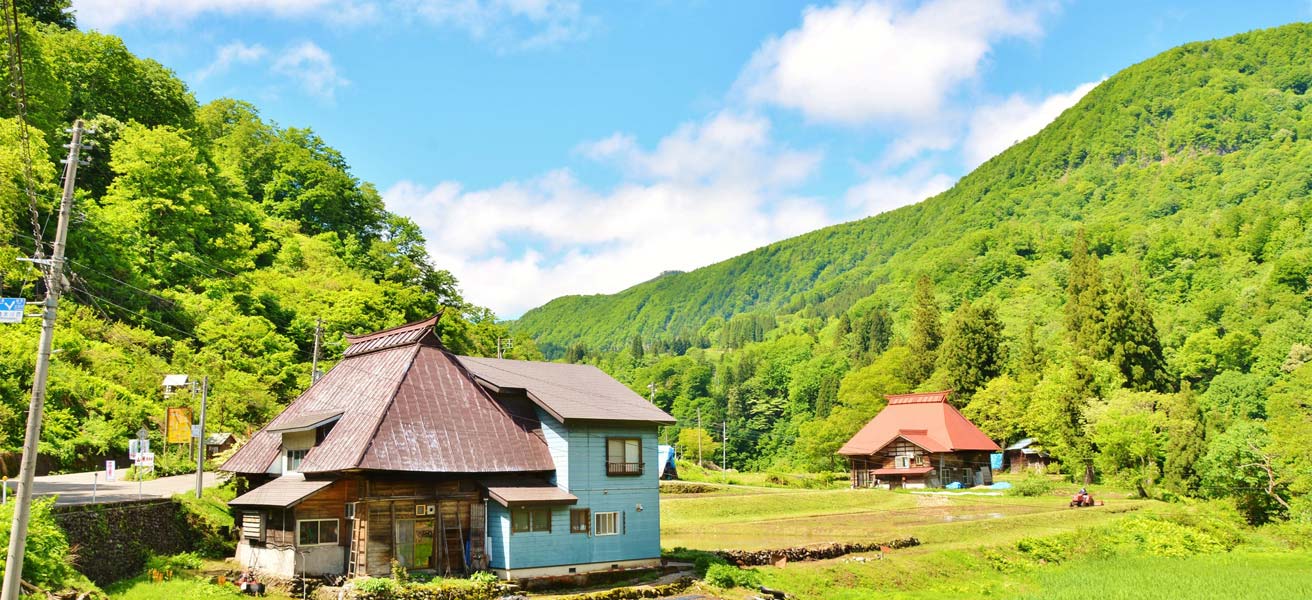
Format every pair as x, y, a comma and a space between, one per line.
994, 128
514, 23
229, 55
313, 67
522, 243
108, 14
876, 61
884, 192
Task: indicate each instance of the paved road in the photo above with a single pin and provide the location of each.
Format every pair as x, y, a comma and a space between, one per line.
75, 488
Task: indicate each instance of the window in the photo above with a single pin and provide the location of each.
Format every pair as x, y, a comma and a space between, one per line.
623, 456
902, 462
322, 431
294, 458
350, 509
252, 526
414, 543
316, 532
608, 523
579, 519
523, 520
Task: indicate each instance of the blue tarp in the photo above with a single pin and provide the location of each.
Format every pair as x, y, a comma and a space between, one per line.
1000, 485
956, 485
668, 470
995, 460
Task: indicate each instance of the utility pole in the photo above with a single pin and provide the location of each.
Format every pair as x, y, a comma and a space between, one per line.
54, 274
724, 449
200, 436
700, 433
504, 344
314, 362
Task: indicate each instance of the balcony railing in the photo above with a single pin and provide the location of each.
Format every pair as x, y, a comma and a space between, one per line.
623, 468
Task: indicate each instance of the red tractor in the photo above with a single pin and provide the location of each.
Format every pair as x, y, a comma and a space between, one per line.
1082, 499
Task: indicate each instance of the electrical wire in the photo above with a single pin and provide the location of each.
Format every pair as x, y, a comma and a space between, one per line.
19, 92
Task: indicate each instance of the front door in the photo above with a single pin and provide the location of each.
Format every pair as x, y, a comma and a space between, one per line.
414, 543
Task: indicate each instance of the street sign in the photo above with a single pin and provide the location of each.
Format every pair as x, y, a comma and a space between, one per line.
178, 425
146, 461
134, 448
143, 433
11, 310
110, 467
195, 431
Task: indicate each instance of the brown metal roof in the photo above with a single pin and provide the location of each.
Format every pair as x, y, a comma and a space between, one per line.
567, 391
442, 421
307, 420
523, 492
406, 405
281, 492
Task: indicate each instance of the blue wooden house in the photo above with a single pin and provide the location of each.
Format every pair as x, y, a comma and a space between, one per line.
404, 451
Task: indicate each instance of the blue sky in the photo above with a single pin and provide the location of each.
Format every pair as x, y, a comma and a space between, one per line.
552, 147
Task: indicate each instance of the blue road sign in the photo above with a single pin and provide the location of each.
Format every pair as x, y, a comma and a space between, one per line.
11, 310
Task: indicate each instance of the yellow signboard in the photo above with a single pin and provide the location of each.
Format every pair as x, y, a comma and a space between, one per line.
178, 425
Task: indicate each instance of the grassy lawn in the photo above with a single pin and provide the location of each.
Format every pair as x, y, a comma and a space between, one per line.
777, 518
182, 586
969, 546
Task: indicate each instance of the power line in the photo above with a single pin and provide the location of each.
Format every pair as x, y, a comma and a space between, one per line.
19, 92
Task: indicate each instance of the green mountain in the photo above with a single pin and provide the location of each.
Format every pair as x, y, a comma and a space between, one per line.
1185, 161
1130, 287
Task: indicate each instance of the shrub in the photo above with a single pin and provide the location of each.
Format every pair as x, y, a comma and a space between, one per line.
376, 588
177, 562
1031, 486
484, 578
728, 576
1164, 538
47, 560
1050, 549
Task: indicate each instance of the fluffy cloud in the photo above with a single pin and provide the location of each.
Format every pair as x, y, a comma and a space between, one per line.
857, 63
884, 192
231, 54
522, 243
313, 67
108, 14
994, 128
515, 23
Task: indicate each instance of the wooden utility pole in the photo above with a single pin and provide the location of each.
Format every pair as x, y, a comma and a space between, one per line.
314, 362
54, 274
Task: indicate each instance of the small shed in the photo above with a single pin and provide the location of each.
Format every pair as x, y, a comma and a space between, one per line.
1025, 455
668, 469
216, 443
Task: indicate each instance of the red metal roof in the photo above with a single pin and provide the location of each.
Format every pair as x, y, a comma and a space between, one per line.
911, 471
926, 420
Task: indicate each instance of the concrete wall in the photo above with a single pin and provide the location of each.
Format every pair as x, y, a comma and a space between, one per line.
579, 452
289, 562
111, 540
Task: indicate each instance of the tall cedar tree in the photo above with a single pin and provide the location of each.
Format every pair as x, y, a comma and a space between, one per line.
1132, 342
827, 396
972, 352
879, 325
926, 331
1085, 308
1185, 442
636, 347
1029, 356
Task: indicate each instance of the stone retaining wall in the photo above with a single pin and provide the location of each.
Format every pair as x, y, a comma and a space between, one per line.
110, 541
756, 558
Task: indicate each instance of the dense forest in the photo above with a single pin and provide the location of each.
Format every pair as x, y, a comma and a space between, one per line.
205, 240
1131, 287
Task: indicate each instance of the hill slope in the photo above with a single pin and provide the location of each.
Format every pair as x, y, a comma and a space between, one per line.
1211, 134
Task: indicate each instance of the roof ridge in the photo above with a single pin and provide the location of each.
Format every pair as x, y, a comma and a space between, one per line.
426, 322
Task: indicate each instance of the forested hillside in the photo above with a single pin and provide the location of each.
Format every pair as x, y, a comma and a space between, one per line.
1130, 286
206, 241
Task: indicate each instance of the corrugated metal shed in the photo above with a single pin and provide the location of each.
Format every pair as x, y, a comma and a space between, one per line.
281, 492
567, 392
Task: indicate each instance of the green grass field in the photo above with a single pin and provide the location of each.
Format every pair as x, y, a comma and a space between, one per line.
970, 546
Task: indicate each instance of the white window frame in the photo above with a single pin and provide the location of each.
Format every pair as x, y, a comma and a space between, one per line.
287, 459
320, 543
598, 530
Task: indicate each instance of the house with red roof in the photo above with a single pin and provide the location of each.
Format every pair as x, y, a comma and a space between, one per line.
917, 441
406, 452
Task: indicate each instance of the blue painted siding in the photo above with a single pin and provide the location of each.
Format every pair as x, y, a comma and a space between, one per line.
580, 456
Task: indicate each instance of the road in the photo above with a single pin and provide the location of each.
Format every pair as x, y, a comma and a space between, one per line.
75, 488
